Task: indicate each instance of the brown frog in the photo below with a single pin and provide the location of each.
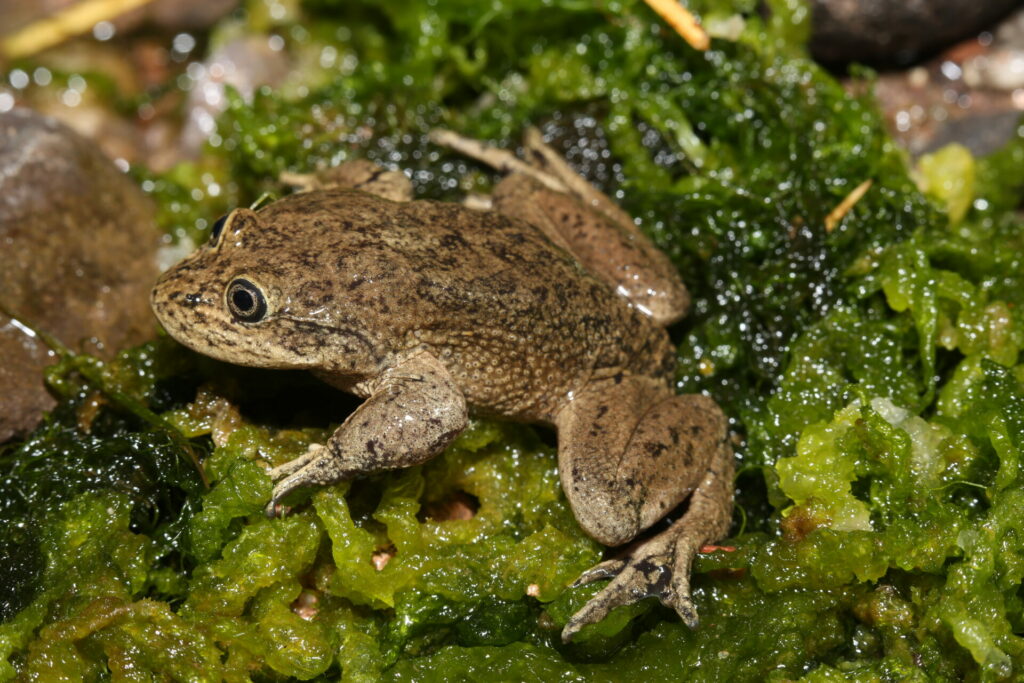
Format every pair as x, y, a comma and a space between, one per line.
551, 308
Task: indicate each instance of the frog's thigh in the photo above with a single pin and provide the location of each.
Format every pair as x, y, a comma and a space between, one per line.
630, 452
618, 254
359, 174
414, 411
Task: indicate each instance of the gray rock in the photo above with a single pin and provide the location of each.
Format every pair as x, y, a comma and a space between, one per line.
77, 257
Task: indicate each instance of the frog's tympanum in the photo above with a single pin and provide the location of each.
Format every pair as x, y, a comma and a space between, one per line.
548, 308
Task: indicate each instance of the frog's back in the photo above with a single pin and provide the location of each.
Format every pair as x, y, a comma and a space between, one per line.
511, 315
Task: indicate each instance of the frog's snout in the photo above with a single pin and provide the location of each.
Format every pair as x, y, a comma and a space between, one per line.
175, 299
187, 299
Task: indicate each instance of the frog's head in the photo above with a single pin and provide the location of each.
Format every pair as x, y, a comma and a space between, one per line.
246, 297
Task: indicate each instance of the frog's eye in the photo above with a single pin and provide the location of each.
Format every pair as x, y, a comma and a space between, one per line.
246, 301
218, 228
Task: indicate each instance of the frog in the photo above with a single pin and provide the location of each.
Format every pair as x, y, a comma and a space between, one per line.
548, 306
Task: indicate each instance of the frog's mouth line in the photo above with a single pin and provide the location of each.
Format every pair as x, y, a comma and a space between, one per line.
316, 328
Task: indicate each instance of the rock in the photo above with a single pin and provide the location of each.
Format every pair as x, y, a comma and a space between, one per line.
245, 64
77, 257
1001, 66
972, 93
896, 32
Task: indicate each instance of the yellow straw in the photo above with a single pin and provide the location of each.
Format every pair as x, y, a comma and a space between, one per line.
67, 23
843, 208
684, 23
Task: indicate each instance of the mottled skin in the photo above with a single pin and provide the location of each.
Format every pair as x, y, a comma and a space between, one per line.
432, 311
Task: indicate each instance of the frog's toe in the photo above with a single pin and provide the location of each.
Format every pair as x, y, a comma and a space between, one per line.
651, 571
281, 471
608, 569
302, 182
283, 488
632, 581
611, 596
275, 509
317, 467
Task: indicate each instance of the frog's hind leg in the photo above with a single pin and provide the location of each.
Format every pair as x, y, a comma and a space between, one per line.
499, 159
545, 192
359, 174
628, 454
545, 158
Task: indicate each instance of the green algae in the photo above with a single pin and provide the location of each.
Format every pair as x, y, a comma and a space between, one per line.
873, 375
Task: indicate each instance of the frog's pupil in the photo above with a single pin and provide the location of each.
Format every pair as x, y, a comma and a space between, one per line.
243, 300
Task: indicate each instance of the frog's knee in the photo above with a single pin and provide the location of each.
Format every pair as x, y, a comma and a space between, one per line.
606, 518
608, 534
359, 174
702, 414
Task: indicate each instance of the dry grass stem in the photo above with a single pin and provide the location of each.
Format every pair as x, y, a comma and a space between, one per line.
69, 22
843, 208
684, 23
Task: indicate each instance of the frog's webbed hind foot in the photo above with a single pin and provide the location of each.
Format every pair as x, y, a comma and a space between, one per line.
499, 159
543, 164
628, 453
660, 566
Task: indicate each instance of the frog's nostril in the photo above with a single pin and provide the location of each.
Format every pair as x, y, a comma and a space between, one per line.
192, 299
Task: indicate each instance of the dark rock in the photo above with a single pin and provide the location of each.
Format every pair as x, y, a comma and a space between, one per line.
896, 32
77, 257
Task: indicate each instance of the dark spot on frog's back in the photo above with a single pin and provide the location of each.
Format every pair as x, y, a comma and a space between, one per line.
502, 285
655, 449
453, 241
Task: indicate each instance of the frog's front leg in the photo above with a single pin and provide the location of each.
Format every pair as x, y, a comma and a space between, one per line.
629, 452
414, 411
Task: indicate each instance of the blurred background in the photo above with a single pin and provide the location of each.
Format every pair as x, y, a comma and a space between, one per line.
145, 78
